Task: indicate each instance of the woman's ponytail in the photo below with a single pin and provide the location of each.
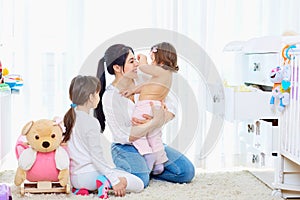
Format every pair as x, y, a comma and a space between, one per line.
99, 114
114, 55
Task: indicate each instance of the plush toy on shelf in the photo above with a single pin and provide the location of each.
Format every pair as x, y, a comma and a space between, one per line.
280, 76
41, 157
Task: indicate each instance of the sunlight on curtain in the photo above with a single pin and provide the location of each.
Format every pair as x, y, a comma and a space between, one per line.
213, 24
47, 41
36, 48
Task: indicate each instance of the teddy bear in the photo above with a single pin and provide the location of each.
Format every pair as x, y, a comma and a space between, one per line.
280, 76
43, 158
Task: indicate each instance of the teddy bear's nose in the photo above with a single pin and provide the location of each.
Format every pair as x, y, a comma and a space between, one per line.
46, 144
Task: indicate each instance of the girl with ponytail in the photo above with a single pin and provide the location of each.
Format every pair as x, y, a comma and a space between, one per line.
89, 170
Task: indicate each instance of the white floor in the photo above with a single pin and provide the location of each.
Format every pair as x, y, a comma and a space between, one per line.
266, 175
9, 162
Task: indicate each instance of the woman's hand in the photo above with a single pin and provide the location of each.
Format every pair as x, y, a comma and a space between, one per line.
135, 121
127, 93
158, 115
120, 188
140, 127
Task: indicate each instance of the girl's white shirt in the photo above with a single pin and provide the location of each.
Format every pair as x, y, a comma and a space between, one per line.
86, 153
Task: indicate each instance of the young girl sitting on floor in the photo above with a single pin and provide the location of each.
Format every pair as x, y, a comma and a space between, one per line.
89, 170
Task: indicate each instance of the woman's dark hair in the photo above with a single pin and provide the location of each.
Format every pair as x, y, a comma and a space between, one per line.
80, 89
114, 55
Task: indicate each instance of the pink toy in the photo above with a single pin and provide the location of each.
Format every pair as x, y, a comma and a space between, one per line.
103, 186
81, 191
40, 156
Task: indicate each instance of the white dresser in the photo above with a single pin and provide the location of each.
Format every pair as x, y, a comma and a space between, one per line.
256, 126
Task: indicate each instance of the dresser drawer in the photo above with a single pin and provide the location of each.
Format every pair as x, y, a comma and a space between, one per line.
247, 105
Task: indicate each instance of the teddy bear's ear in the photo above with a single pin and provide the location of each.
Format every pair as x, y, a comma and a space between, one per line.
27, 127
60, 122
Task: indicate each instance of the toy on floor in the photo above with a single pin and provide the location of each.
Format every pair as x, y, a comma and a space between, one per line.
5, 192
81, 191
103, 186
41, 159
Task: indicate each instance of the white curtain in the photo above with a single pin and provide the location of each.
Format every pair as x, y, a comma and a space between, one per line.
213, 24
47, 41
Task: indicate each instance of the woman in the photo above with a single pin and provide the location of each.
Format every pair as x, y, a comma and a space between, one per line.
121, 63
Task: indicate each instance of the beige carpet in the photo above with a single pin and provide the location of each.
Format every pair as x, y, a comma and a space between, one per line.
240, 185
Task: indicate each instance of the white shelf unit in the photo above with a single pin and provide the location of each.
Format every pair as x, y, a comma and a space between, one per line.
5, 125
255, 126
284, 138
251, 62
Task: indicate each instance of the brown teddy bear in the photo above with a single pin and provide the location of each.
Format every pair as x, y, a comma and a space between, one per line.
43, 159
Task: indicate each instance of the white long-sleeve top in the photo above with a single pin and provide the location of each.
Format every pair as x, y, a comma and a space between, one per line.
86, 153
118, 113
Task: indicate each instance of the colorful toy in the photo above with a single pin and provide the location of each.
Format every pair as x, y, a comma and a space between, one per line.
81, 191
1, 71
103, 186
4, 88
281, 89
280, 76
41, 158
5, 192
13, 80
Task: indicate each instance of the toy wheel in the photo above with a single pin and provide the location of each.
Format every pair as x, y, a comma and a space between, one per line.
68, 189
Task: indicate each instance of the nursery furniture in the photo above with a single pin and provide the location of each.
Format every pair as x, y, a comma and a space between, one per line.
287, 168
282, 139
247, 94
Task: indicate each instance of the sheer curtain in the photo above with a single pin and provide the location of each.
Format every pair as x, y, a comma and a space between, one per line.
47, 41
212, 24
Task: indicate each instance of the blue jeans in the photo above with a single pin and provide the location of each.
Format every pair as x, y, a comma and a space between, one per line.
178, 169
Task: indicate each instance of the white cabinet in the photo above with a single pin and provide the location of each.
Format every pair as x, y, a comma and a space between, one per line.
251, 64
243, 106
5, 125
255, 136
252, 61
257, 140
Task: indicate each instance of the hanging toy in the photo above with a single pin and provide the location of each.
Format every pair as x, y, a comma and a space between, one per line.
1, 75
280, 76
